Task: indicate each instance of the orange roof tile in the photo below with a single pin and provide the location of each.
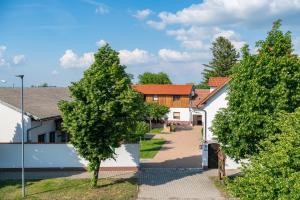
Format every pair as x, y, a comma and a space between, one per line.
199, 95
164, 89
217, 81
214, 91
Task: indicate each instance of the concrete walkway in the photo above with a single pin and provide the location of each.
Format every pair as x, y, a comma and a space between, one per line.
181, 150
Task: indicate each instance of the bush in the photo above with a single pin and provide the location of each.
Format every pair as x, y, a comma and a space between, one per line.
138, 132
275, 172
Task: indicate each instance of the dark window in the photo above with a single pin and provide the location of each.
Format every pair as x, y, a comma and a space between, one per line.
64, 137
176, 98
176, 115
52, 137
41, 138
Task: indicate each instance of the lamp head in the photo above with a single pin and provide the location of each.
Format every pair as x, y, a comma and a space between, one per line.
20, 76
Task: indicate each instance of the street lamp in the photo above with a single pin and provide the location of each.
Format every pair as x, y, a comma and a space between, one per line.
22, 109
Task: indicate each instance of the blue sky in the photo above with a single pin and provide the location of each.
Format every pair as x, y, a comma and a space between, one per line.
53, 40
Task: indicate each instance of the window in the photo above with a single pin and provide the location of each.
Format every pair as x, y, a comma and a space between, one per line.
176, 115
41, 138
155, 98
52, 137
176, 98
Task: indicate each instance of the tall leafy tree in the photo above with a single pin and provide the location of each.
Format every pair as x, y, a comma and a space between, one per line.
154, 78
274, 173
225, 57
262, 85
104, 109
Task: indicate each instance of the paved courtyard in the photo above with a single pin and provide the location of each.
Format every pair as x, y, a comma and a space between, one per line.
181, 150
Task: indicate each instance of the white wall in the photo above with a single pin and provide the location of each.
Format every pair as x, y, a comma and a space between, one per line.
212, 106
185, 114
10, 124
61, 155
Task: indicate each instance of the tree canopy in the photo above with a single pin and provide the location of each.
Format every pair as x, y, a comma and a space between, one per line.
262, 85
274, 173
155, 111
104, 109
224, 58
154, 78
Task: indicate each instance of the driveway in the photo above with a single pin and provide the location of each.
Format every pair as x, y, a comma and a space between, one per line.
171, 183
181, 150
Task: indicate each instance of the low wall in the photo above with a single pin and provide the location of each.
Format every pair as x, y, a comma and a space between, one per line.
38, 156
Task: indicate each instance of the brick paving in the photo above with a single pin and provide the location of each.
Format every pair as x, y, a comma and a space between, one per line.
168, 183
181, 150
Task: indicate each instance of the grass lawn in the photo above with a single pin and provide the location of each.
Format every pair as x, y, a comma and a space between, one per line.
149, 148
60, 188
156, 130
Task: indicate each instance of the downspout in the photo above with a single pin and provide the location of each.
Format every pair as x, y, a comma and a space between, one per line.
30, 129
205, 143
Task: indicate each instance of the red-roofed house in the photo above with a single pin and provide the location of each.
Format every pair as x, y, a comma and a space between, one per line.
177, 97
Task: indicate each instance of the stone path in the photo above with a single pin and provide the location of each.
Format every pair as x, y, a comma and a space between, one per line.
181, 150
168, 183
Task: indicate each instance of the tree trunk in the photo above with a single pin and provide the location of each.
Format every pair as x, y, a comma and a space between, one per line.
95, 175
150, 125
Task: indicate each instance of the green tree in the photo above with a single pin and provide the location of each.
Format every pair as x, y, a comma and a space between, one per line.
262, 85
154, 78
274, 173
225, 57
155, 111
104, 109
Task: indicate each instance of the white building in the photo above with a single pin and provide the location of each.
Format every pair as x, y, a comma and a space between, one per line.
46, 145
210, 105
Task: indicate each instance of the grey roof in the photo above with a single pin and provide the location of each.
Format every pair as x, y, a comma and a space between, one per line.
39, 103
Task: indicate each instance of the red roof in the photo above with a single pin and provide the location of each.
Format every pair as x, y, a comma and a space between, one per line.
199, 95
217, 81
215, 90
164, 89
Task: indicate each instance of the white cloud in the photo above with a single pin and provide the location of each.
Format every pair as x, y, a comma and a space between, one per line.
72, 60
137, 56
102, 9
101, 43
171, 55
142, 14
216, 12
156, 25
297, 45
18, 59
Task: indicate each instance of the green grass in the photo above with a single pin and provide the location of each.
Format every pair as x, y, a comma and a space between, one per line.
75, 189
149, 148
156, 130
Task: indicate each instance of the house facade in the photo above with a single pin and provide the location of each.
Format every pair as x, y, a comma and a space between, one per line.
46, 145
177, 97
210, 105
41, 115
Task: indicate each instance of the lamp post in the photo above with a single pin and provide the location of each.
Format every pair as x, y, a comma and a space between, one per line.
22, 110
